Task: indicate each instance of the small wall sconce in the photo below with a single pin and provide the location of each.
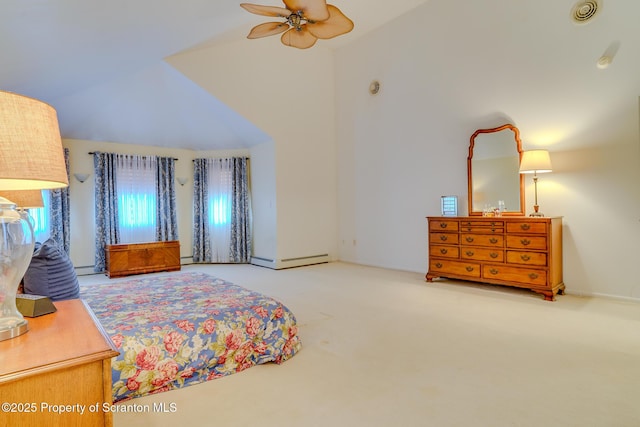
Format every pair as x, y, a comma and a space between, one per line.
81, 177
182, 180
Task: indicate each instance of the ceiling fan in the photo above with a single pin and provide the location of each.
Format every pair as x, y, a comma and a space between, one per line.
306, 21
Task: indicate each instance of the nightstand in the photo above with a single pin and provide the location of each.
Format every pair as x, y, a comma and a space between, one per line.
58, 371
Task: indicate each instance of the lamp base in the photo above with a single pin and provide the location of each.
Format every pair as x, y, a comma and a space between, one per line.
15, 331
535, 209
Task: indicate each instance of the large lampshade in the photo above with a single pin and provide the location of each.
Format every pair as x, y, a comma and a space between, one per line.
32, 155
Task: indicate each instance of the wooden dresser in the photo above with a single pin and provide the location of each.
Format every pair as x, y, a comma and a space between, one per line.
137, 258
524, 252
51, 375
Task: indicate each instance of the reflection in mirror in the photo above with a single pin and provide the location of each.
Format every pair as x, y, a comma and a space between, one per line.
493, 163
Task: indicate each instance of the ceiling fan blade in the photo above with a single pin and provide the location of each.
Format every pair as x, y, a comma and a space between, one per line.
266, 10
302, 39
336, 25
313, 10
267, 29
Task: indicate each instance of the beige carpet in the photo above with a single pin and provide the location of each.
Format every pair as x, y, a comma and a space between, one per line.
385, 348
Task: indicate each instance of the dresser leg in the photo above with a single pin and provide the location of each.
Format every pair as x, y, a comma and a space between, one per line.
548, 296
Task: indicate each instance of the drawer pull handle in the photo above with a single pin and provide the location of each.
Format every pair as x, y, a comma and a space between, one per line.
494, 271
439, 264
443, 251
493, 255
525, 242
469, 269
493, 240
533, 276
525, 226
443, 238
469, 253
525, 257
469, 239
443, 225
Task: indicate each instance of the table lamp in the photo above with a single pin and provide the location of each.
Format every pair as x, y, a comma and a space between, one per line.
535, 162
32, 158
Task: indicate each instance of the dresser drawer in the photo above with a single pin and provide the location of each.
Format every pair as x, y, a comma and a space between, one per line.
527, 258
482, 240
444, 238
482, 254
530, 277
528, 227
444, 251
444, 225
527, 242
457, 268
482, 227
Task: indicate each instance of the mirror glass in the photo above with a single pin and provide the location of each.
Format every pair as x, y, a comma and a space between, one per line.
493, 170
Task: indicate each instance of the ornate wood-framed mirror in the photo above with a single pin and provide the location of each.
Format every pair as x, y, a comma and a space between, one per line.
493, 170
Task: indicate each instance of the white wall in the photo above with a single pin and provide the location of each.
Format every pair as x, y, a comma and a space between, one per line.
289, 94
441, 80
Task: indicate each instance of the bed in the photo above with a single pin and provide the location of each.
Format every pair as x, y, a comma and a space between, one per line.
185, 328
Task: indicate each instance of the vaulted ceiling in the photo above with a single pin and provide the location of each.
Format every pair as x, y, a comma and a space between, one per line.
102, 65
105, 66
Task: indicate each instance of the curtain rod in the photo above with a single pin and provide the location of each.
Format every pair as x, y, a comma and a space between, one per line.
93, 152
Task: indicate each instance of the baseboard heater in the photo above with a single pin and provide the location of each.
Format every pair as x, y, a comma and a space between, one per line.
290, 262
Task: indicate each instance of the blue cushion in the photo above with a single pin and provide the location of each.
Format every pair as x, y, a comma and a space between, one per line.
51, 273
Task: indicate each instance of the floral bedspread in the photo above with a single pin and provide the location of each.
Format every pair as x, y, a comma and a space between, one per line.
182, 329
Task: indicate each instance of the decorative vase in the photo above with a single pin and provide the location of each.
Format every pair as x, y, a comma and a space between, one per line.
16, 250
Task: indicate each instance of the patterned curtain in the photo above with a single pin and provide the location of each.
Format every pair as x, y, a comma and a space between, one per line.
201, 240
106, 200
240, 246
60, 212
167, 221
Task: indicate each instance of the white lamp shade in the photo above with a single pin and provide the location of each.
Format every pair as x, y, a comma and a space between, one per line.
32, 154
535, 161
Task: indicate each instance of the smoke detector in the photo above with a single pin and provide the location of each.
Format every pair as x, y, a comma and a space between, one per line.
585, 10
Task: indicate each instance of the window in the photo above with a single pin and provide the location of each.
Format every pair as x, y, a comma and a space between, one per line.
137, 200
220, 210
40, 219
219, 197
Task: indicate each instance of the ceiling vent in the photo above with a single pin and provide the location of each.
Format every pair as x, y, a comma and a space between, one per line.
585, 10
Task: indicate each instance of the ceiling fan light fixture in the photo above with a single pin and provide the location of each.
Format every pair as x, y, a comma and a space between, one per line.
306, 21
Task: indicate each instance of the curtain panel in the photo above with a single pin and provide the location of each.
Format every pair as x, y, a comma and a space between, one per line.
241, 220
60, 212
201, 239
166, 220
106, 200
